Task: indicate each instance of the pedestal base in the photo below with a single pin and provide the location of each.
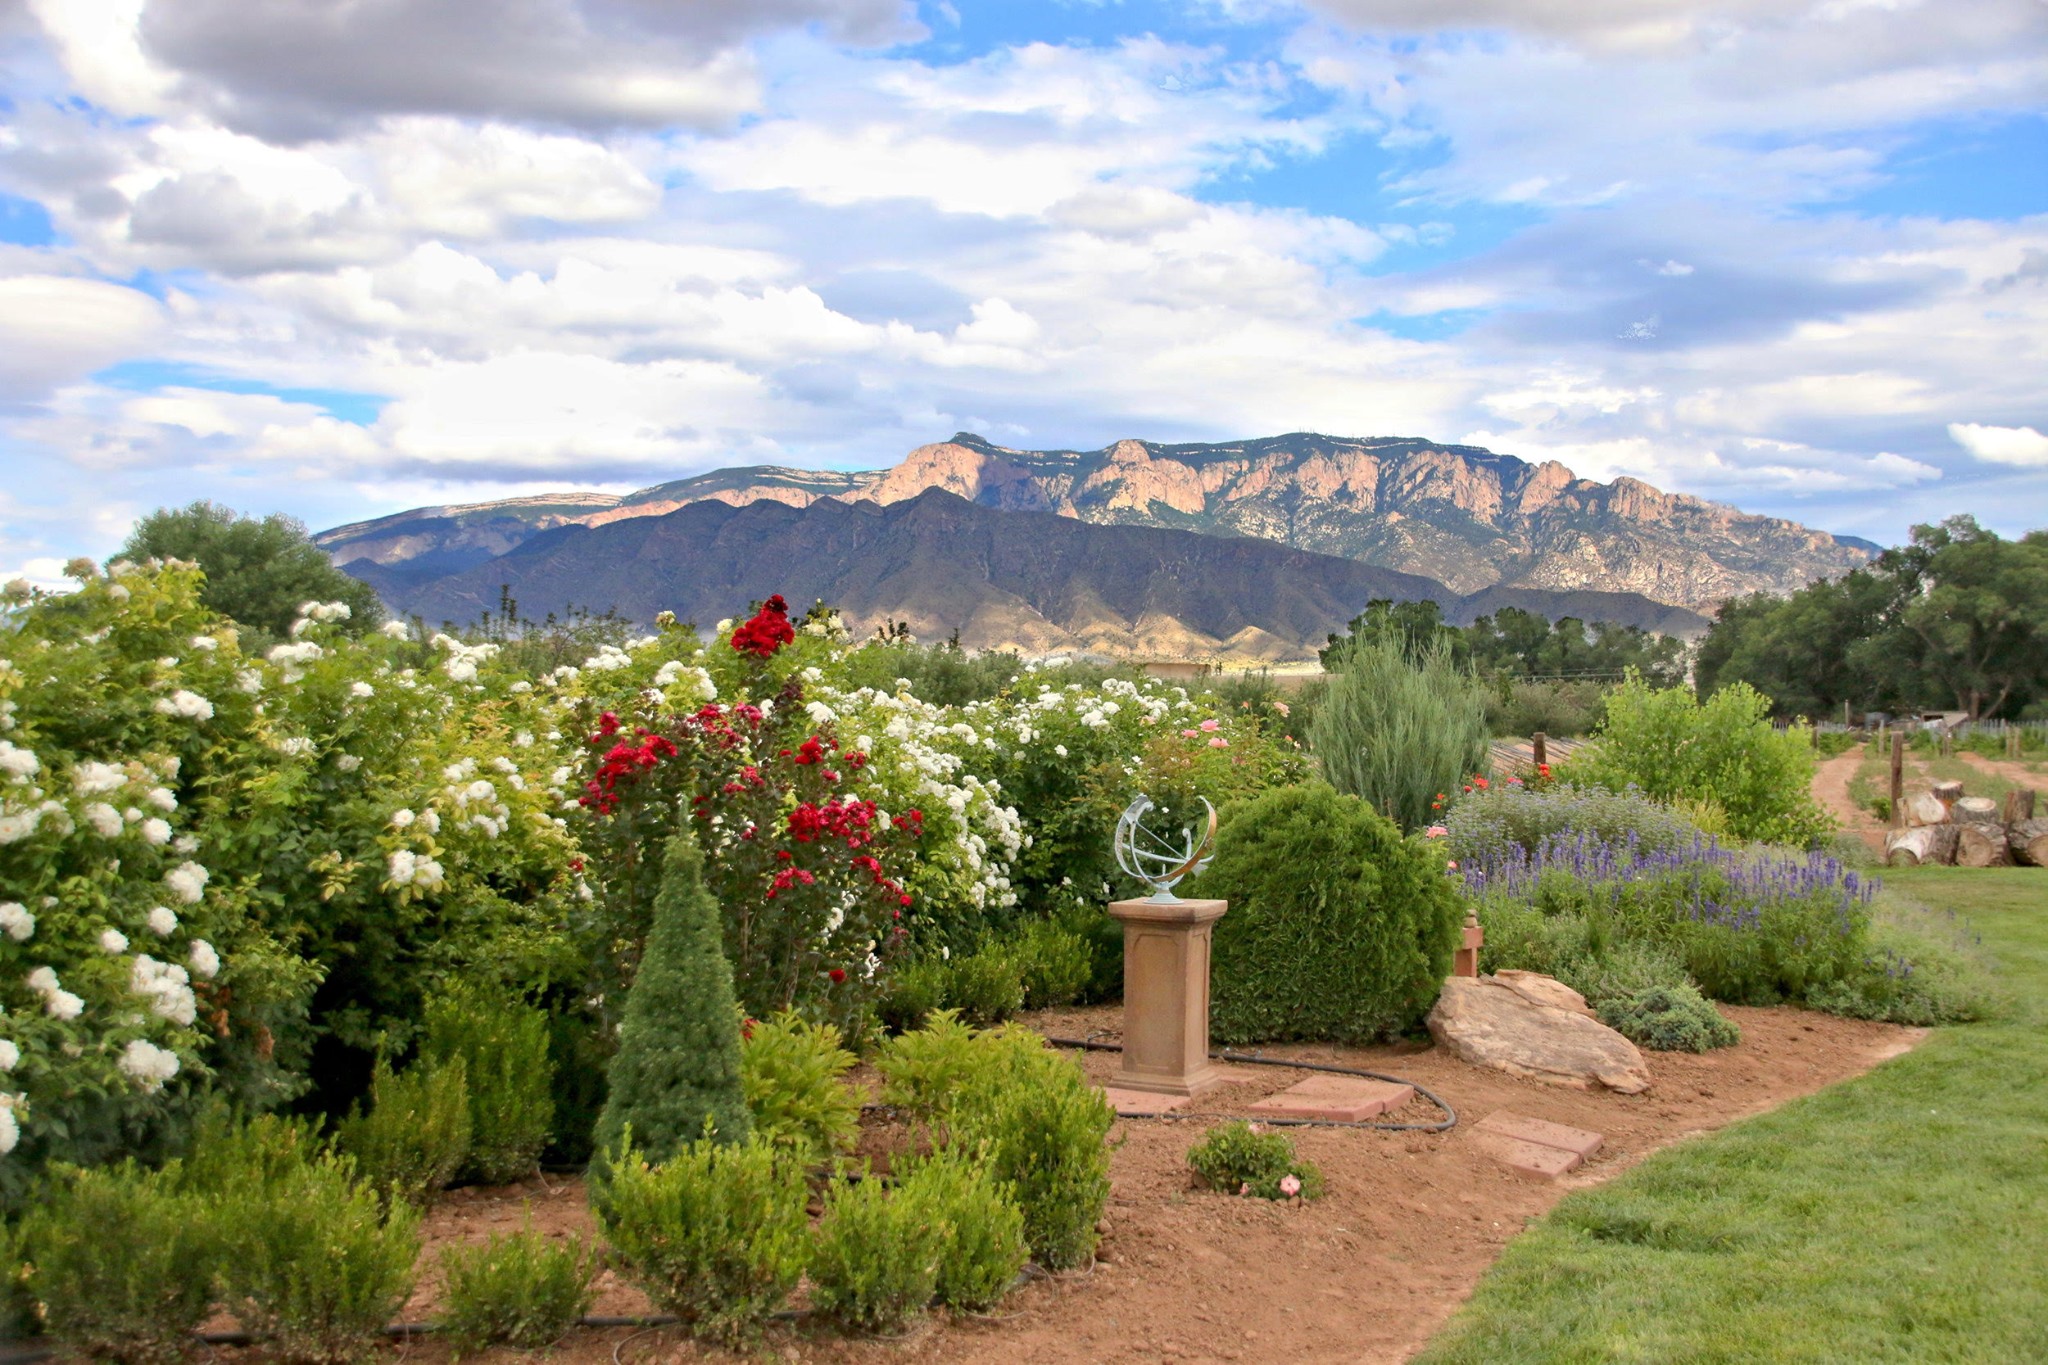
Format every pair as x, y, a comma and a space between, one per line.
1166, 996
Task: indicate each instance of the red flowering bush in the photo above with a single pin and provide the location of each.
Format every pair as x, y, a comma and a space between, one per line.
797, 855
767, 631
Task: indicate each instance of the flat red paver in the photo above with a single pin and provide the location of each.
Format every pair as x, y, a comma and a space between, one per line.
1578, 1141
1335, 1099
1139, 1103
1531, 1159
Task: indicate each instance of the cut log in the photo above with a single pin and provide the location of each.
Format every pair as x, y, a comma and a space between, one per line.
2028, 841
1981, 845
2019, 805
1948, 793
1974, 810
1922, 844
1925, 808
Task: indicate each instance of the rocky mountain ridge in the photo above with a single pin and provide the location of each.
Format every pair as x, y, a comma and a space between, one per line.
1033, 581
1463, 515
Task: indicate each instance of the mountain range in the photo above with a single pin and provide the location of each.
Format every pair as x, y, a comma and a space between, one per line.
1464, 519
1033, 581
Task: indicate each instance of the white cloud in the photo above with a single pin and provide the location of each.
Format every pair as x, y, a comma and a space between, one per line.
54, 329
2021, 446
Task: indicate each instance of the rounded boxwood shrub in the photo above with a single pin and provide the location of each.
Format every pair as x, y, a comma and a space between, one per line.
1339, 928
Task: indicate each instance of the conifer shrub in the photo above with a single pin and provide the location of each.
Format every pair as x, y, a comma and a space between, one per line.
1400, 726
1339, 929
985, 986
124, 1262
228, 1154
717, 1234
677, 1074
791, 1071
1669, 1019
318, 1263
923, 1071
503, 1048
515, 1289
415, 1133
1237, 1158
1041, 1129
874, 1256
983, 1228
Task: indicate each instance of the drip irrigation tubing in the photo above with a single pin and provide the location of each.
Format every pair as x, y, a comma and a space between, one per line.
1450, 1118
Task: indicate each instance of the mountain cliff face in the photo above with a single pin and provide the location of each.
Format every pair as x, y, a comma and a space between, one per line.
1458, 514
1033, 581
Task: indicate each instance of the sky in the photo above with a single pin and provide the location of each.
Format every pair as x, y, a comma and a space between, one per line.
342, 257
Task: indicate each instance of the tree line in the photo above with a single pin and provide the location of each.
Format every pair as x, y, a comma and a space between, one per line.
1517, 644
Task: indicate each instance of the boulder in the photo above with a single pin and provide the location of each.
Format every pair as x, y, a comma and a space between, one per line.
1527, 1026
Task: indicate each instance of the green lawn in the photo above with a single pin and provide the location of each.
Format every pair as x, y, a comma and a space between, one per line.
1902, 1216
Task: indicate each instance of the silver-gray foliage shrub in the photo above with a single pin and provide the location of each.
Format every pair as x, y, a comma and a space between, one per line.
1401, 728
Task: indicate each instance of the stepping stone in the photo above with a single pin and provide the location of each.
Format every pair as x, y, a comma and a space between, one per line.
1578, 1141
1335, 1099
1138, 1104
1531, 1159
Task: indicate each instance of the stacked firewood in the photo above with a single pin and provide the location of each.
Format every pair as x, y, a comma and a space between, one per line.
1944, 826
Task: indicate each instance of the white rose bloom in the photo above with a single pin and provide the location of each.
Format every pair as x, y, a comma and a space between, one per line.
157, 830
10, 1131
401, 818
149, 1065
161, 798
162, 921
1060, 750
113, 941
204, 959
10, 1055
396, 630
820, 713
187, 882
249, 680
17, 922
205, 643
190, 705
63, 1005
14, 827
298, 746
361, 689
103, 818
430, 821
43, 980
403, 865
348, 763
19, 764
90, 778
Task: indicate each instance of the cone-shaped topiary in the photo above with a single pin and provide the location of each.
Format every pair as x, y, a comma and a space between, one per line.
678, 1063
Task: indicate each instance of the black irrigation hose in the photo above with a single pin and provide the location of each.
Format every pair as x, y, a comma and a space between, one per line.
1450, 1119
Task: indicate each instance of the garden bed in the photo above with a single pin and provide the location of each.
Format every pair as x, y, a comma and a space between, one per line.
1410, 1223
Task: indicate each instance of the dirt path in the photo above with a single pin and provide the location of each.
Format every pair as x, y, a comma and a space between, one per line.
1410, 1223
1831, 789
2019, 774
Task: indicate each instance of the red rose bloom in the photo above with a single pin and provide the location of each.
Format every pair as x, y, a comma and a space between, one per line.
838, 974
766, 631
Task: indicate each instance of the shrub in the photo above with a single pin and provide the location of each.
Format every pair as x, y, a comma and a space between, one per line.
983, 1228
677, 1071
415, 1134
1338, 927
915, 990
1041, 1130
1560, 710
503, 1048
1237, 1158
716, 1235
227, 1155
1582, 951
1723, 749
923, 1071
1918, 967
1669, 1019
515, 1289
124, 1263
19, 1317
874, 1257
1056, 963
1397, 729
318, 1264
790, 1070
986, 987
1485, 824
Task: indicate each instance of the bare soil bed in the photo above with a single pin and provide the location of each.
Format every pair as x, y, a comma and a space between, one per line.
1410, 1223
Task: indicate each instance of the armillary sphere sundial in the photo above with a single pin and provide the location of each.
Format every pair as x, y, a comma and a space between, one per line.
1152, 859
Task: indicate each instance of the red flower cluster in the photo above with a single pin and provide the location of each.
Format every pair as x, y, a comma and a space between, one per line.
767, 631
848, 820
624, 760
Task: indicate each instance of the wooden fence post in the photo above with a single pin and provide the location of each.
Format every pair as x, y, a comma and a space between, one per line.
1898, 779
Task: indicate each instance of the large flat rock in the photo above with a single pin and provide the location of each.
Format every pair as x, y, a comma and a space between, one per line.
1527, 1029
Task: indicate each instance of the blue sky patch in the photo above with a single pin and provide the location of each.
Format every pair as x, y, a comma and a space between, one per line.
150, 376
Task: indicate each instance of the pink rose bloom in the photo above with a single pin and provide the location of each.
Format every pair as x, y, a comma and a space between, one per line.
1290, 1185
1188, 734
1281, 707
1219, 743
1245, 1187
1435, 832
1452, 865
1212, 725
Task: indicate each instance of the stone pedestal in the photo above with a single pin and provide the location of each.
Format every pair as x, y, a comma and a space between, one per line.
1166, 996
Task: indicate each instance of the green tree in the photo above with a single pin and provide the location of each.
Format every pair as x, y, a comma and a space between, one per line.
1415, 626
678, 1065
1981, 617
258, 571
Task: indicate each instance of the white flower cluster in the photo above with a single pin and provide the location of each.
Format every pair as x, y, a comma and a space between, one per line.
16, 921
290, 660
58, 1003
407, 868
147, 1064
319, 613
608, 659
463, 660
694, 681
10, 1130
19, 764
167, 987
187, 882
185, 703
395, 630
